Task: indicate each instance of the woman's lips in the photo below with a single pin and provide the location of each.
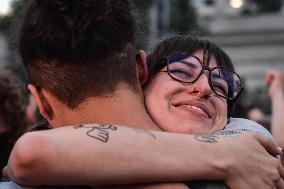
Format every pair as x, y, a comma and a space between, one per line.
195, 106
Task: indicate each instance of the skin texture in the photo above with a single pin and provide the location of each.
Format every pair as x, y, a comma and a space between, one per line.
25, 165
275, 81
170, 102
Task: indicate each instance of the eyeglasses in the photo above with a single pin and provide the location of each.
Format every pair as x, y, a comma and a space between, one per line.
187, 68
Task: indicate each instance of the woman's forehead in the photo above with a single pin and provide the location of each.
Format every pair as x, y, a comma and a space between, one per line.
200, 54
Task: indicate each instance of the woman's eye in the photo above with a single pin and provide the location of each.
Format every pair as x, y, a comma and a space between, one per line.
181, 74
220, 88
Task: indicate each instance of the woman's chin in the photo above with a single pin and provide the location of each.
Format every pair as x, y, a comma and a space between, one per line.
192, 128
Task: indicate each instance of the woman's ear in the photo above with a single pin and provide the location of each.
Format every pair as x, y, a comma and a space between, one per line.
142, 67
41, 101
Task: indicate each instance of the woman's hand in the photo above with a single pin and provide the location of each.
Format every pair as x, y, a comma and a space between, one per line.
253, 165
275, 80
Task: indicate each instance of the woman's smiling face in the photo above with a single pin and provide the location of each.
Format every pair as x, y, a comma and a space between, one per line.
185, 108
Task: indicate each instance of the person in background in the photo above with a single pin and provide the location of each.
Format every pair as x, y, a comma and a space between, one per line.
13, 120
254, 113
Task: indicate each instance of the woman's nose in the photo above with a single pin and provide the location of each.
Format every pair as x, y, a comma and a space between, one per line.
201, 87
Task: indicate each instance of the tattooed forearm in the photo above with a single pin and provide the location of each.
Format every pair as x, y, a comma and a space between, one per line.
99, 132
147, 132
207, 138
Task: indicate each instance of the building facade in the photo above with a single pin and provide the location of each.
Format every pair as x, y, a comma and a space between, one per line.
255, 43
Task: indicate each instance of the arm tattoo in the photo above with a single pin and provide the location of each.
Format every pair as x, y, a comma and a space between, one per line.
99, 132
147, 132
207, 138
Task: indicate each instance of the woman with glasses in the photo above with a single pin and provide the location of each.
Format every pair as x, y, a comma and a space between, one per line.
193, 86
192, 89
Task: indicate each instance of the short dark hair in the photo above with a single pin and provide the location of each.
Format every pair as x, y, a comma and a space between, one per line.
78, 48
191, 44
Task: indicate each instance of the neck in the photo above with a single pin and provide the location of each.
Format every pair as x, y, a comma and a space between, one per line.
124, 107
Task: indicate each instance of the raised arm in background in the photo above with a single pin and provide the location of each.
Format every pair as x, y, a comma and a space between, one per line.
275, 80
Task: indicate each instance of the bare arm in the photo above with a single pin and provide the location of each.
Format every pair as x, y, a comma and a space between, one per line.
168, 156
148, 186
128, 155
275, 80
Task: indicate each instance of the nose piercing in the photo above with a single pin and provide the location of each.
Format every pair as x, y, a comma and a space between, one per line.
194, 88
207, 96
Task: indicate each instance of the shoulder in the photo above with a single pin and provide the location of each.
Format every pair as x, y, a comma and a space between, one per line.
243, 123
11, 185
241, 126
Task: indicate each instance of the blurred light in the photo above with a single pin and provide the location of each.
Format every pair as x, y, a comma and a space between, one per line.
5, 7
236, 3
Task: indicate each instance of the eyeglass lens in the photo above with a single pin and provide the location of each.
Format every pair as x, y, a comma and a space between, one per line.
187, 68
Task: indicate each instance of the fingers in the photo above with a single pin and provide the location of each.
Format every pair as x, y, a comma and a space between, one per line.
280, 184
269, 145
281, 172
269, 77
272, 75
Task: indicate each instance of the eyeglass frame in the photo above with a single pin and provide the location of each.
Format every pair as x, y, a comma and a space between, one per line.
203, 68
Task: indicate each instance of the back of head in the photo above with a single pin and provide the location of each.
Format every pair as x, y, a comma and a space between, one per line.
77, 49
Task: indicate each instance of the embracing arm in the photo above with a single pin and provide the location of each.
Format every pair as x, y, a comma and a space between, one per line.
105, 154
108, 154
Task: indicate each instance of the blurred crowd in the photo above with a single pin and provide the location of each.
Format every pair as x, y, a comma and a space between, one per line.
14, 120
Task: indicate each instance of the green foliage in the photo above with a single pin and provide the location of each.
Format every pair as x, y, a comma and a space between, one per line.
183, 16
